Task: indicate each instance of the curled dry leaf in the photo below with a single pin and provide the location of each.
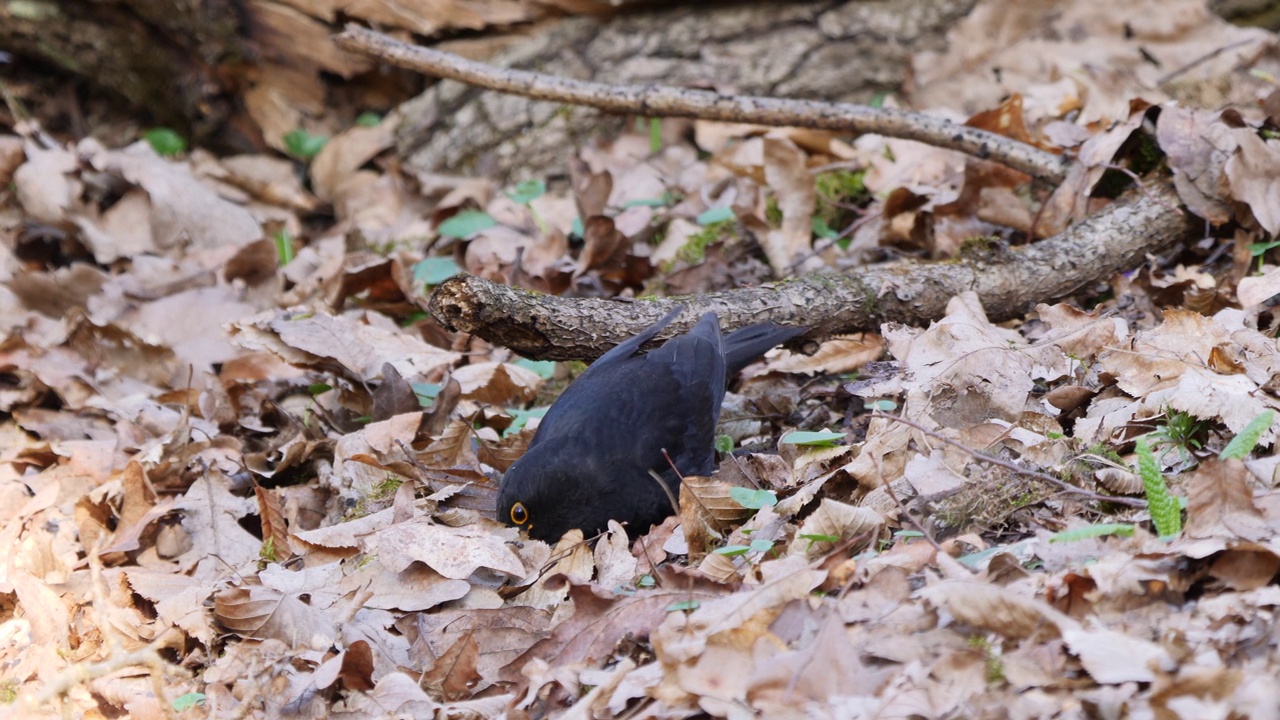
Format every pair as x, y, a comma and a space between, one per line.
453, 552
497, 383
839, 355
707, 510
834, 519
357, 348
1220, 503
263, 613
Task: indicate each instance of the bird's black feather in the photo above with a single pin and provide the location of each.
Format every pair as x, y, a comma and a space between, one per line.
591, 457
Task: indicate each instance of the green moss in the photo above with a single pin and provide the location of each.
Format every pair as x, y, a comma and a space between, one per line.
839, 192
773, 212
843, 186
995, 664
695, 249
386, 488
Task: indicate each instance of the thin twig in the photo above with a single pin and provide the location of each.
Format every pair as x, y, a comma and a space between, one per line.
666, 101
1062, 484
1137, 181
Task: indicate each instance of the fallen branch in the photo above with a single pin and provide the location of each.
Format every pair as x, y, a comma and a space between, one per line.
1116, 239
664, 101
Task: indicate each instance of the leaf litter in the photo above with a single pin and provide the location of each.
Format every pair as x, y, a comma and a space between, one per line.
265, 488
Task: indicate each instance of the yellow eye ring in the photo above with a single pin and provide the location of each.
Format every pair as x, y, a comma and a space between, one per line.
519, 515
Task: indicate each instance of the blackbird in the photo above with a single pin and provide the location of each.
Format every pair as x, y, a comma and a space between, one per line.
591, 457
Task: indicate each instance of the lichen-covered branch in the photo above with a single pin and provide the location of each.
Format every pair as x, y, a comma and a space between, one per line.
1117, 239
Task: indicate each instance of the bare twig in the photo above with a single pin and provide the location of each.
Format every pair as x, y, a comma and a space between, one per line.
1057, 482
664, 101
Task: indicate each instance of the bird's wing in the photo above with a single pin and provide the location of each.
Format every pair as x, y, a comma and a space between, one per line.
628, 411
561, 420
631, 346
695, 361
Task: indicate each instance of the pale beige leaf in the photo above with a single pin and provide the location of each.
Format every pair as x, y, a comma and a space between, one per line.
834, 519
453, 552
260, 612
497, 383
1220, 503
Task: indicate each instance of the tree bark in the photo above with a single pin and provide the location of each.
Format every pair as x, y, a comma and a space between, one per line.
839, 51
193, 64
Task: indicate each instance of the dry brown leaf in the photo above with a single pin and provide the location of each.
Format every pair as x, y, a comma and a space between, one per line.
1112, 657
1167, 366
787, 174
994, 608
1254, 175
496, 383
258, 612
1220, 503
347, 152
839, 355
834, 519
453, 552
1197, 146
358, 348
600, 620
616, 567
502, 635
1245, 567
454, 674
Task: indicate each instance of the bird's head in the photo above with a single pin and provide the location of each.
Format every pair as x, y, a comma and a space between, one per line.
546, 495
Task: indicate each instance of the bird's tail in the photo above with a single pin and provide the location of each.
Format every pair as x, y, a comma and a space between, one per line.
743, 346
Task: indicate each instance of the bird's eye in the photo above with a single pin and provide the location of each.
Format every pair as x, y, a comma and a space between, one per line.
519, 515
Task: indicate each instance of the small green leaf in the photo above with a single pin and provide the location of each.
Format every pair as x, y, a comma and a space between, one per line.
823, 438
303, 145
822, 229
315, 389
466, 224
434, 270
1244, 443
816, 538
645, 202
683, 605
527, 191
426, 393
1256, 249
413, 318
284, 247
188, 701
368, 119
715, 215
655, 134
881, 405
542, 368
908, 534
165, 142
753, 499
878, 99
646, 581
733, 550
724, 444
522, 418
975, 560
1092, 531
761, 546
